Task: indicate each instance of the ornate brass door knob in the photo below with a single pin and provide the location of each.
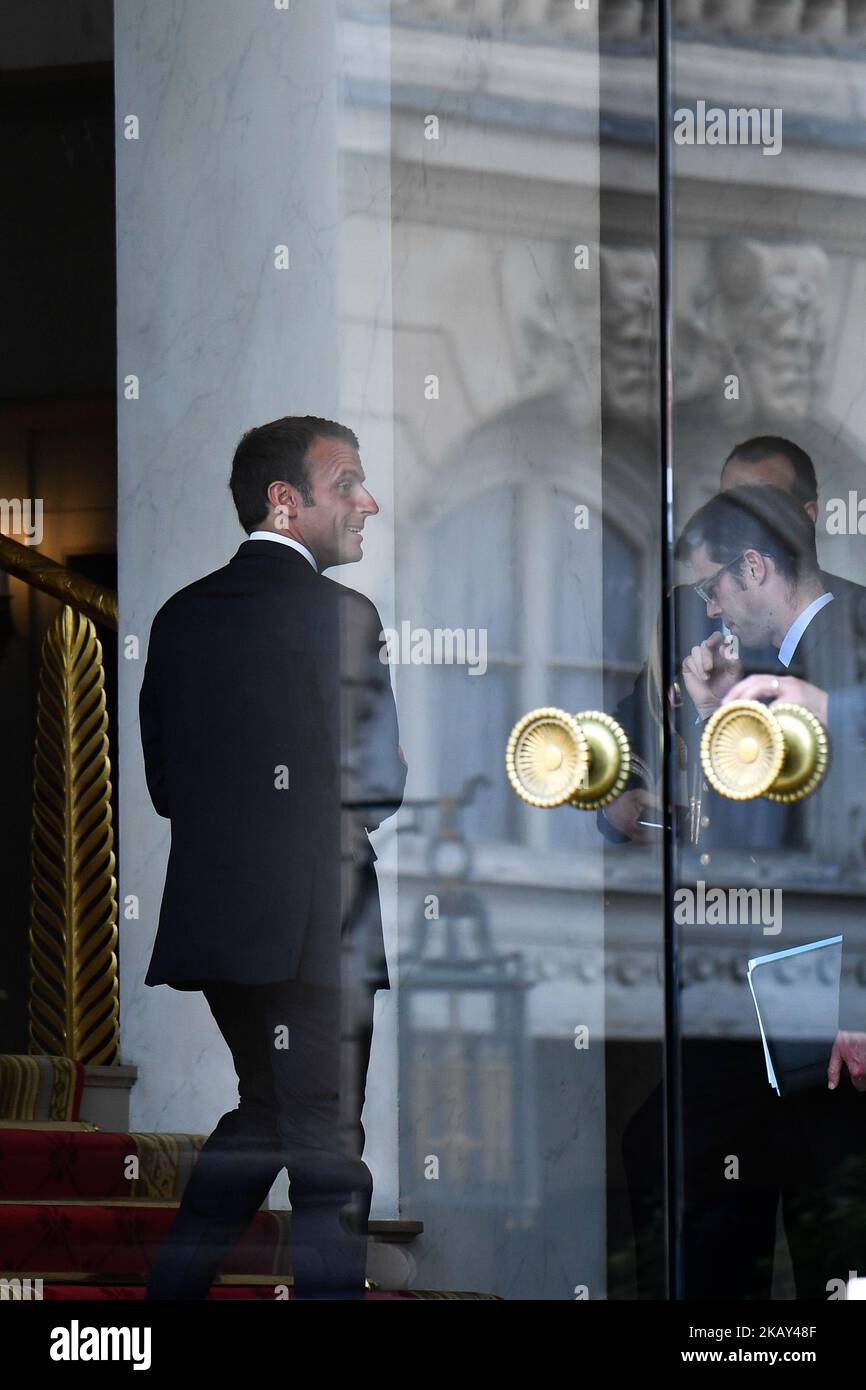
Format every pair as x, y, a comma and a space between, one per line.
554, 757
749, 750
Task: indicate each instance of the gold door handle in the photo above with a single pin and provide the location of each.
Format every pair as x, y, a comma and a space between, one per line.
554, 757
749, 750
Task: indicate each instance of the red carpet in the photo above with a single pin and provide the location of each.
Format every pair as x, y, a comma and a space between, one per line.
86, 1210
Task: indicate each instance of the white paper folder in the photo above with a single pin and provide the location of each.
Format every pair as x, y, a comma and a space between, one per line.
796, 994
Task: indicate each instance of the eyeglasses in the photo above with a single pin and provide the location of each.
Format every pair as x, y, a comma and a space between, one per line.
705, 591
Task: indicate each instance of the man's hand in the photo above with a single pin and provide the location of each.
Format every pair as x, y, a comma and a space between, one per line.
626, 810
709, 673
786, 690
849, 1048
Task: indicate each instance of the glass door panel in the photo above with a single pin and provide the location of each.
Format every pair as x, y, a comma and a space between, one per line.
584, 1097
500, 265
768, 183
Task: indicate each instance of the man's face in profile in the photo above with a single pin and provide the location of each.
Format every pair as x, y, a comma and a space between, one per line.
744, 606
331, 528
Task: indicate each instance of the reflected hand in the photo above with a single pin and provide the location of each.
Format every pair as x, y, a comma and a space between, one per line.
849, 1048
709, 673
786, 689
628, 808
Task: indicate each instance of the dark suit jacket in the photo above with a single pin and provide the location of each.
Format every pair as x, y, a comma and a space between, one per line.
261, 674
820, 830
831, 654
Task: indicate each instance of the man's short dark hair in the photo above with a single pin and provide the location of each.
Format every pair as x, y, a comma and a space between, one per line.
766, 519
765, 446
277, 452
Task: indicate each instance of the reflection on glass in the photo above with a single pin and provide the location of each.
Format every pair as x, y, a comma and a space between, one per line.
518, 159
523, 995
766, 313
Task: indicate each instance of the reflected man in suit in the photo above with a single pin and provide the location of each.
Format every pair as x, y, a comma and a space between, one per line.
753, 557
754, 562
763, 461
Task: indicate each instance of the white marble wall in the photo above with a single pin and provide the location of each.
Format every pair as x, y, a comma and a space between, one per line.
237, 153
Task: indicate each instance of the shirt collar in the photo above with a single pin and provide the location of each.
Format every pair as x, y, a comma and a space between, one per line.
798, 627
284, 540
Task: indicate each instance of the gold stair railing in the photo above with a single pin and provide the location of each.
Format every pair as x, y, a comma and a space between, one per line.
73, 1002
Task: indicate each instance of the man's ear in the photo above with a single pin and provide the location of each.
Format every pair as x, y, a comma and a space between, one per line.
811, 508
284, 503
756, 565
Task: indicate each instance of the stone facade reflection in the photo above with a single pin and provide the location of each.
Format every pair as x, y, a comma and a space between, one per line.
790, 21
760, 316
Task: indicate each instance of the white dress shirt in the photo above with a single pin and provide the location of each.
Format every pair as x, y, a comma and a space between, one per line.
284, 540
798, 627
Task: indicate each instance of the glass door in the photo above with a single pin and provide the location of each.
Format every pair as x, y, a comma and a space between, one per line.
502, 263
603, 287
767, 180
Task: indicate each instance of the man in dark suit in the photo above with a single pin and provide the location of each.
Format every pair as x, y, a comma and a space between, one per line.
752, 552
270, 742
766, 460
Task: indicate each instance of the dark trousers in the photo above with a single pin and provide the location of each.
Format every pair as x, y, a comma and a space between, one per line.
301, 1054
806, 1150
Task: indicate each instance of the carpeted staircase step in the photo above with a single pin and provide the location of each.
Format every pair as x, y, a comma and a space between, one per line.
40, 1088
60, 1164
119, 1240
85, 1210
65, 1238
